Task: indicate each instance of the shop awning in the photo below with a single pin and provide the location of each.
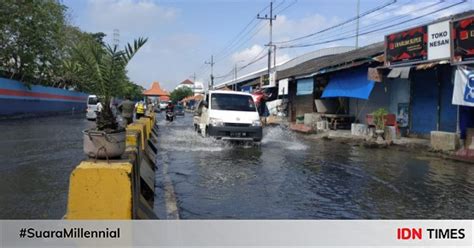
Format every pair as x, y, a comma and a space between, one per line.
349, 84
400, 72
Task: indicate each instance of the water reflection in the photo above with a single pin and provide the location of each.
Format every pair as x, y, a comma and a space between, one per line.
289, 176
37, 157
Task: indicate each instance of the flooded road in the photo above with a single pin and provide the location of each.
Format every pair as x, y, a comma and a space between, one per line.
288, 177
36, 158
292, 177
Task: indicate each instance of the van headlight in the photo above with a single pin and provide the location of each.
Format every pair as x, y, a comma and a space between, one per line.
215, 122
256, 123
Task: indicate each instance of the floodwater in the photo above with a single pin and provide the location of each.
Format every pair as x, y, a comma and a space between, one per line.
287, 177
37, 156
292, 177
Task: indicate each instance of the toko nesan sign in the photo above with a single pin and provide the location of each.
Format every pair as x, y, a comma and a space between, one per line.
419, 44
439, 45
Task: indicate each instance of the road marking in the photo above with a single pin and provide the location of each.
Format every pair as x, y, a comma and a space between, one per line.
171, 204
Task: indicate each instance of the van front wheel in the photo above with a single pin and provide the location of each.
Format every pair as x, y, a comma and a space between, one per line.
196, 128
204, 132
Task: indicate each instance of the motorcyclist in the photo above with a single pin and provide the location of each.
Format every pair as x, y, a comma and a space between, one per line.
170, 107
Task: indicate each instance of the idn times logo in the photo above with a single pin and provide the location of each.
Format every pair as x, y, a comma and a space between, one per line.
410, 233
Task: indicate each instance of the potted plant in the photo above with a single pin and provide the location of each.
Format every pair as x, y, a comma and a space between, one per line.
379, 121
105, 65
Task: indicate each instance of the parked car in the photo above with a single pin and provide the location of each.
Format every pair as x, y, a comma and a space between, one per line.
228, 115
163, 105
91, 113
179, 110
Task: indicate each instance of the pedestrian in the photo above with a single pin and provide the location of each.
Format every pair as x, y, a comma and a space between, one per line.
139, 110
98, 107
126, 109
150, 108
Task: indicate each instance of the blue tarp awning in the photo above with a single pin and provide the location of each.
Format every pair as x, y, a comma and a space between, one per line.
349, 84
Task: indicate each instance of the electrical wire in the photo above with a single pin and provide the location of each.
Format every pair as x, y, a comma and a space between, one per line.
338, 25
374, 30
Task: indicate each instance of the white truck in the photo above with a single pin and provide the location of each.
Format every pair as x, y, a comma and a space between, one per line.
228, 115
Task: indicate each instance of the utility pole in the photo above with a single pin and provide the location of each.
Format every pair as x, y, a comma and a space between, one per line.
270, 18
357, 24
116, 37
194, 83
235, 77
212, 70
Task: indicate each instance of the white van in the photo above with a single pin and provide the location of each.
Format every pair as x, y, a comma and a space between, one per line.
92, 107
228, 115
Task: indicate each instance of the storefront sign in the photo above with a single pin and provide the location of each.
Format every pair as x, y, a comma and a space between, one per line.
406, 47
463, 41
463, 92
439, 46
283, 87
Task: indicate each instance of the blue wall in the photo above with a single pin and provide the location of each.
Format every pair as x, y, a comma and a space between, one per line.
16, 98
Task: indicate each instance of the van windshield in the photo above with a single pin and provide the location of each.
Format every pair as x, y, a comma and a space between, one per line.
92, 101
232, 102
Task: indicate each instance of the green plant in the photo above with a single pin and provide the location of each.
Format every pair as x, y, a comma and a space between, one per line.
105, 65
379, 118
180, 93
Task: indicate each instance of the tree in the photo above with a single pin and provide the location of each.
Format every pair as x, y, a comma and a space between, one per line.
31, 38
180, 93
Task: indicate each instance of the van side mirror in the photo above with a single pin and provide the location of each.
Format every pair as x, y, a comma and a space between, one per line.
205, 104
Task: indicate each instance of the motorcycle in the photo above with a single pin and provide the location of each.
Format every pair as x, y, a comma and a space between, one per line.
170, 116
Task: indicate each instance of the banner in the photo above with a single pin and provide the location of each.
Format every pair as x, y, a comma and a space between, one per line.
439, 46
463, 40
406, 47
283, 87
237, 233
463, 92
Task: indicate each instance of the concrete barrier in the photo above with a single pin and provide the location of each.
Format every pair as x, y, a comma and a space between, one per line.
99, 190
444, 141
122, 189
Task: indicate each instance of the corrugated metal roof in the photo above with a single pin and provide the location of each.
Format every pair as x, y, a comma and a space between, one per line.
326, 62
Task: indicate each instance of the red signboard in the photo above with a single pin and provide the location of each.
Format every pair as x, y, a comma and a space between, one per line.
406, 47
463, 40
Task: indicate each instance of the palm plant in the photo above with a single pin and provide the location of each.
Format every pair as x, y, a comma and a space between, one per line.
105, 65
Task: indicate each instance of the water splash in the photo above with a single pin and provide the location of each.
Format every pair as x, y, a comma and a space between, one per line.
277, 136
189, 140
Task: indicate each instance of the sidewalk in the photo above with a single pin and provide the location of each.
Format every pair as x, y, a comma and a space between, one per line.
417, 144
346, 137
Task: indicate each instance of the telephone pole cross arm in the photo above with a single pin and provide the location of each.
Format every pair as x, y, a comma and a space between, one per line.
212, 69
270, 45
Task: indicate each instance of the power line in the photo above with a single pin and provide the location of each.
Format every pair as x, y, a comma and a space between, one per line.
340, 24
241, 35
257, 58
377, 29
376, 24
288, 6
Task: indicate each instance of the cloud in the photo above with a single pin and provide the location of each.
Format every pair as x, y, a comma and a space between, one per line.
137, 15
285, 28
248, 54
